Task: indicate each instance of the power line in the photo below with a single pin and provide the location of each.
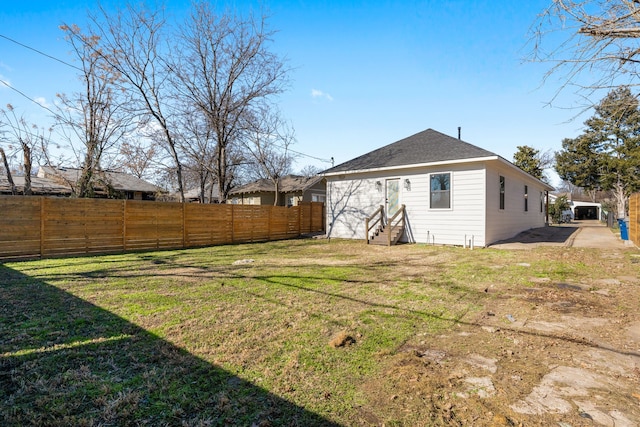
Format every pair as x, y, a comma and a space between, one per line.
80, 69
30, 99
310, 156
40, 52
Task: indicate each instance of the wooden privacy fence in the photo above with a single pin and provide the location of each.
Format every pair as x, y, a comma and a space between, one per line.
47, 227
634, 218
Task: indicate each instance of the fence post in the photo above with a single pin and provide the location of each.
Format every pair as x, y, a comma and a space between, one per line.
184, 225
124, 224
232, 226
42, 213
271, 208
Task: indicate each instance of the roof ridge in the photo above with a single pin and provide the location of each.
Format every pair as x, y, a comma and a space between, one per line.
427, 146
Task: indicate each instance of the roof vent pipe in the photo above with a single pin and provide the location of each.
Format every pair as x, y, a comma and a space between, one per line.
459, 131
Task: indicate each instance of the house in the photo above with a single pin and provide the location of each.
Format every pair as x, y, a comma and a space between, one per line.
39, 186
447, 191
582, 210
292, 189
193, 195
108, 183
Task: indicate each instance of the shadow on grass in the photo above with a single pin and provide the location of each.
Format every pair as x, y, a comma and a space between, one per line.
186, 270
64, 361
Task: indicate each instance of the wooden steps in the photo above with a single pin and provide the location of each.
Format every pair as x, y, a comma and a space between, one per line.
385, 232
381, 236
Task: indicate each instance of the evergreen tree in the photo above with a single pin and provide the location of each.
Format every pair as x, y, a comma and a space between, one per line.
607, 155
528, 159
577, 163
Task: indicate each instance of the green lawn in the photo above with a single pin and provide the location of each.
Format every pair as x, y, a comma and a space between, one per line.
193, 337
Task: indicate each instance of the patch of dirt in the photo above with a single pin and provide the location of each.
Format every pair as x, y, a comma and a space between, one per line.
563, 353
342, 339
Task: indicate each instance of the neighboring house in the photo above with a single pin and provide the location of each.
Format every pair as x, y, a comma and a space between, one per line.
107, 183
455, 193
291, 190
581, 210
193, 195
39, 186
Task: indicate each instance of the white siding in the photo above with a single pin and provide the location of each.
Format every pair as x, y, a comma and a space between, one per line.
463, 222
475, 212
350, 201
353, 198
508, 222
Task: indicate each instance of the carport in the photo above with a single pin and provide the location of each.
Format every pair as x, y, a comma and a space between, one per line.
586, 212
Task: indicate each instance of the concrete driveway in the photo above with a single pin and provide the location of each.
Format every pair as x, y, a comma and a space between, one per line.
578, 234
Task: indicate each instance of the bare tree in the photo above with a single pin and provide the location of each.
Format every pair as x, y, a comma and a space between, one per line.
199, 148
7, 169
138, 157
310, 170
226, 71
22, 138
593, 44
94, 120
134, 43
268, 145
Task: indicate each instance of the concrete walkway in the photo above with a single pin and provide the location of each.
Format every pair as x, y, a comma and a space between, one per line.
594, 234
578, 234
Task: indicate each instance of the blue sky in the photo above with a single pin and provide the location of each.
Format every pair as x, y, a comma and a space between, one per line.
364, 74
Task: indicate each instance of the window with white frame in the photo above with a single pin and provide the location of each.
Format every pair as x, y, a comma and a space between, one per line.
440, 191
291, 199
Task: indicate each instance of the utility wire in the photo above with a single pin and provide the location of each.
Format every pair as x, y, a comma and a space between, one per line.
30, 99
57, 115
40, 52
80, 69
310, 156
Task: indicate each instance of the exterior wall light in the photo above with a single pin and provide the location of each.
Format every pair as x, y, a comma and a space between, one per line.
407, 184
379, 186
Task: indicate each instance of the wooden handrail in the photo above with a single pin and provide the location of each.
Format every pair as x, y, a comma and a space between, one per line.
380, 213
393, 218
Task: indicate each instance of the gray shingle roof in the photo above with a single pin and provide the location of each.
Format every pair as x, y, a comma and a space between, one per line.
38, 186
119, 180
428, 146
288, 184
194, 193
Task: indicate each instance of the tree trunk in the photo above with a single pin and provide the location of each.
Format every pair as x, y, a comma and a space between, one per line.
26, 151
275, 198
203, 190
620, 198
14, 191
211, 193
84, 186
221, 171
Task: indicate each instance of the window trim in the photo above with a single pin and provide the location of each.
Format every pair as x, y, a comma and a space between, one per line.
450, 173
502, 189
318, 196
